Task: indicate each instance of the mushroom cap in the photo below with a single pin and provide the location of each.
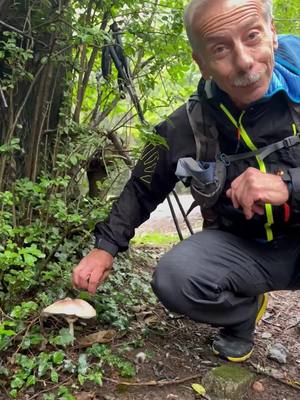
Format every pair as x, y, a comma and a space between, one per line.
71, 307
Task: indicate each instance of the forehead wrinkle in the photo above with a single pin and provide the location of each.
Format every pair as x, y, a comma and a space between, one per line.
215, 23
219, 31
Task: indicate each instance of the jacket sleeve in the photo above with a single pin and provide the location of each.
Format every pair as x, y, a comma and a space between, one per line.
151, 181
295, 189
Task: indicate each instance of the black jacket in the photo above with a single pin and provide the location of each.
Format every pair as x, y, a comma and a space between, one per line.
153, 178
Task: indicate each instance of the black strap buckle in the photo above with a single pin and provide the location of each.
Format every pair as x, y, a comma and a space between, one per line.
290, 141
223, 157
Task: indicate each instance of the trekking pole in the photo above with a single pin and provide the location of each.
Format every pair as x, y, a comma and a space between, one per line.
175, 218
184, 215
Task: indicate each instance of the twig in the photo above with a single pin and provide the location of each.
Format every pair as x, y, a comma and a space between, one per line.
297, 323
153, 383
14, 29
49, 389
26, 332
288, 381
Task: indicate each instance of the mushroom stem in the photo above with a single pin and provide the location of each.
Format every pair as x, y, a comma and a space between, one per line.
71, 321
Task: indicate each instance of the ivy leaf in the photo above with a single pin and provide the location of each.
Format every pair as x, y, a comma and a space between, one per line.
31, 380
58, 357
63, 339
82, 364
54, 376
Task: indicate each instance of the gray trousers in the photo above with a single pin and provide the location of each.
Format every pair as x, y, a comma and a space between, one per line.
215, 277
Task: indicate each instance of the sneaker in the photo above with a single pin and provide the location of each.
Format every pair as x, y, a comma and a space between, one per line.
238, 349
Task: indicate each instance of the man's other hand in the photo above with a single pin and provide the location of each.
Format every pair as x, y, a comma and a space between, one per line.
92, 270
253, 189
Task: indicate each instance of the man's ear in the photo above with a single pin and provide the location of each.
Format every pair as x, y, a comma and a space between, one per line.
201, 64
274, 33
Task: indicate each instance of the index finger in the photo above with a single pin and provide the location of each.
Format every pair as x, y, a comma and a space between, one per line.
94, 280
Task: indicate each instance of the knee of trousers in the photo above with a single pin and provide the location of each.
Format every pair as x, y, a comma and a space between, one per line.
167, 284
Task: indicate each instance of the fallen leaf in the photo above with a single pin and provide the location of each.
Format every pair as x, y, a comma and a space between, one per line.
97, 337
151, 320
198, 388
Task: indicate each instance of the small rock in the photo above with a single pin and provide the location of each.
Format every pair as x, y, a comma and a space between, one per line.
267, 315
172, 397
137, 309
140, 358
266, 335
278, 353
258, 387
108, 397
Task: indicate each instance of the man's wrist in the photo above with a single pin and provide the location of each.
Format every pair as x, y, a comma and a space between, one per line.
104, 244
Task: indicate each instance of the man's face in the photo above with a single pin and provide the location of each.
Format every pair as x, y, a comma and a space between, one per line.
236, 48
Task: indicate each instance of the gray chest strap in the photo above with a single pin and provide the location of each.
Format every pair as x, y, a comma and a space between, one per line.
263, 152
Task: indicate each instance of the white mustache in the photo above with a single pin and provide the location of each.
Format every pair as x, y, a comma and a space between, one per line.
248, 79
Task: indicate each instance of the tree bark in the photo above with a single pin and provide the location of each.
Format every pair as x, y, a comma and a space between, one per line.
34, 107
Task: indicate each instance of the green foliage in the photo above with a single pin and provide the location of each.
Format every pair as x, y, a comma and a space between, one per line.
287, 16
25, 244
16, 57
104, 355
30, 365
64, 338
117, 307
10, 147
156, 239
48, 136
49, 366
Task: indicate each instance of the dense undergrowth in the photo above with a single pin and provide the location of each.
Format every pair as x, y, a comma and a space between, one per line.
38, 253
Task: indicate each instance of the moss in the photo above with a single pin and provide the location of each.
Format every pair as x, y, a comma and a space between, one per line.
232, 372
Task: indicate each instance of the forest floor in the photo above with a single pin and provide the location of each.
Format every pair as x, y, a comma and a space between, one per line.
170, 353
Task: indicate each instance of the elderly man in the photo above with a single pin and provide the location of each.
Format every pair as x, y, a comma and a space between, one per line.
245, 117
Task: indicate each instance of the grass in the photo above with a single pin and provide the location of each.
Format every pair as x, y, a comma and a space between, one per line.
156, 239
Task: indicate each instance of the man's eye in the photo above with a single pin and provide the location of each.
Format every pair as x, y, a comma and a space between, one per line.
219, 49
253, 35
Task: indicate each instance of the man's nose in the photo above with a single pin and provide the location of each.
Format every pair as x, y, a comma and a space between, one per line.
243, 58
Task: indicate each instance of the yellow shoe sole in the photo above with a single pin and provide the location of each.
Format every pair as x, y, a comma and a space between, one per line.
234, 359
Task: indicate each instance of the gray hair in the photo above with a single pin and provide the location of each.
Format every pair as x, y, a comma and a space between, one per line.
196, 5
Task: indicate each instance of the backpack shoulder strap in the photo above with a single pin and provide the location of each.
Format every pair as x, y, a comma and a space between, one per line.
204, 129
295, 111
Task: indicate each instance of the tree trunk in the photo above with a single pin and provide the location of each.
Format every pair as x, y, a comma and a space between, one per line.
32, 112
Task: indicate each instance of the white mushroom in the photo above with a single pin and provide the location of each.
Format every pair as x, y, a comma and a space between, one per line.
70, 309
